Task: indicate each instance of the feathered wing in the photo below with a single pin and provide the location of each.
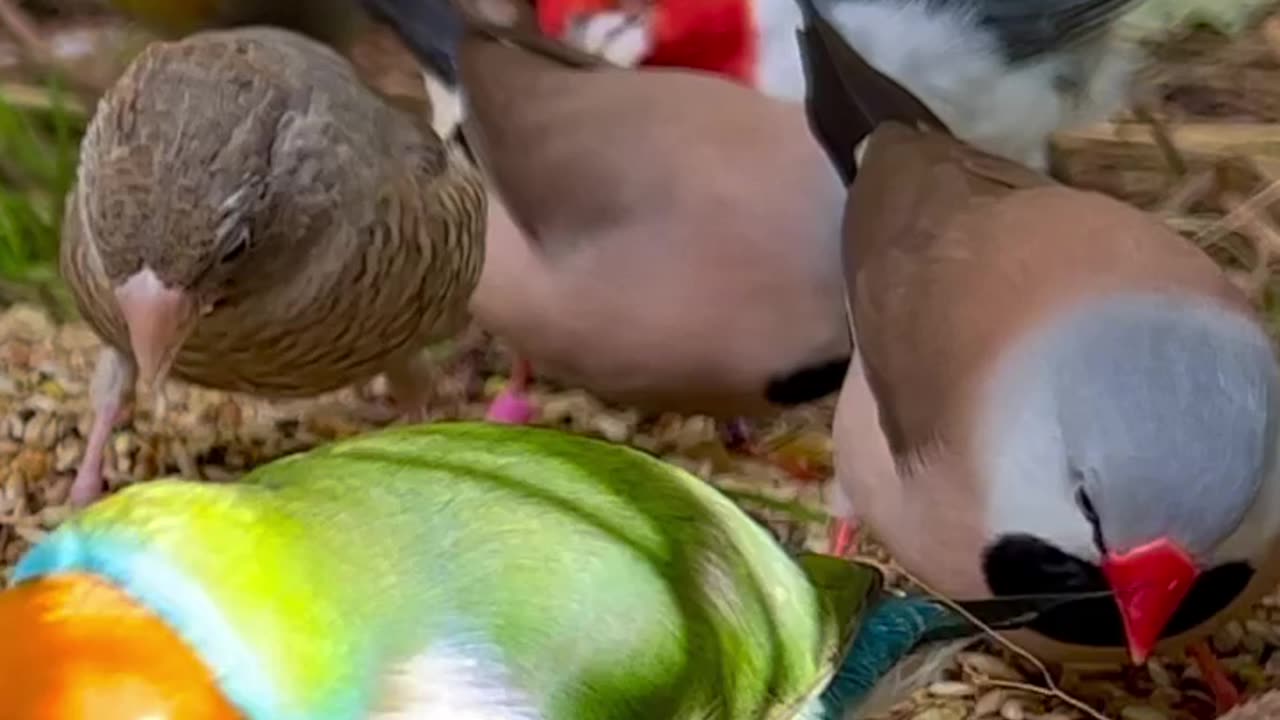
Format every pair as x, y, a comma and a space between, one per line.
1029, 29
846, 97
332, 583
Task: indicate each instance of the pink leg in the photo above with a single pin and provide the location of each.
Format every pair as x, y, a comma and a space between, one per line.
109, 392
1225, 694
844, 537
512, 406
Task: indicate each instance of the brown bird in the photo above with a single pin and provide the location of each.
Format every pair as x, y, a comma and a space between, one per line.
251, 217
660, 238
1053, 391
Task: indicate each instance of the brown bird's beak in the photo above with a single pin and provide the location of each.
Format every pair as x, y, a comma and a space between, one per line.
1149, 583
159, 320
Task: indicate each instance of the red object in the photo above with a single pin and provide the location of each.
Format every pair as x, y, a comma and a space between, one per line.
1149, 583
717, 36
512, 406
1225, 694
844, 536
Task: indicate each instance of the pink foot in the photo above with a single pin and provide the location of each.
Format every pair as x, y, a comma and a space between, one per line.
844, 536
1225, 694
512, 406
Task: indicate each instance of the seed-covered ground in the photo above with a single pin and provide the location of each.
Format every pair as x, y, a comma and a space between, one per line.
1213, 174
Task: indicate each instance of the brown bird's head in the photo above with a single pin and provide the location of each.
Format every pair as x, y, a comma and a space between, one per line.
218, 168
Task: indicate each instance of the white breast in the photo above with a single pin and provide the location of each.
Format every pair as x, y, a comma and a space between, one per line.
455, 681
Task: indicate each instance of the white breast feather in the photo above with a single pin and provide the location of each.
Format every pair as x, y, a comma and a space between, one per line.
455, 682
957, 72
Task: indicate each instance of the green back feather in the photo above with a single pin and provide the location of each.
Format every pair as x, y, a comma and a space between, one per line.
609, 584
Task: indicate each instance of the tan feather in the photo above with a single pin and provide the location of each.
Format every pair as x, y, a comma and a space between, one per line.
664, 239
364, 232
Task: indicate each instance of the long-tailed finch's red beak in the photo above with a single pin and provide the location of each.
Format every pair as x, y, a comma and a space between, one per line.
1150, 582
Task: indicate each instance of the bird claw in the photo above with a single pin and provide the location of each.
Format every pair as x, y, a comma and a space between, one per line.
1225, 694
844, 537
510, 408
87, 487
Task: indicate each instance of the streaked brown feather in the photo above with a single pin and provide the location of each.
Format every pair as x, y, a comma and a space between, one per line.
357, 257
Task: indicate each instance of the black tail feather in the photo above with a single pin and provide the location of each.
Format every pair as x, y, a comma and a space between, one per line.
846, 97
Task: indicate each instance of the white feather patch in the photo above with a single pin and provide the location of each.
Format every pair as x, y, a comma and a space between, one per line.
956, 70
622, 38
455, 682
914, 672
446, 106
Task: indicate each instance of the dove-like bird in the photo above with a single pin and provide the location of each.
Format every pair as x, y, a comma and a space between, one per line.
455, 571
249, 216
1052, 389
664, 239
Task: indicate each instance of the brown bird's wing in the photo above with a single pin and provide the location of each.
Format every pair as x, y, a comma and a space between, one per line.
81, 269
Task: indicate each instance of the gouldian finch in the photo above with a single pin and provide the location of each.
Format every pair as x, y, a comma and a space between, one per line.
453, 571
1065, 391
250, 216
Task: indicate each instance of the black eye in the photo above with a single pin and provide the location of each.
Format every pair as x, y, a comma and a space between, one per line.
237, 248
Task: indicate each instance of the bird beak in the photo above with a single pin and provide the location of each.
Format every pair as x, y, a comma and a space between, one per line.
77, 646
159, 319
1150, 582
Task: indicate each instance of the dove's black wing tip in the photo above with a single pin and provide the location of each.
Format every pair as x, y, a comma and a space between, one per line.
831, 113
431, 29
846, 98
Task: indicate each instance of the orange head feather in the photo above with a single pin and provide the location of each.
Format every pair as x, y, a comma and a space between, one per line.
74, 647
